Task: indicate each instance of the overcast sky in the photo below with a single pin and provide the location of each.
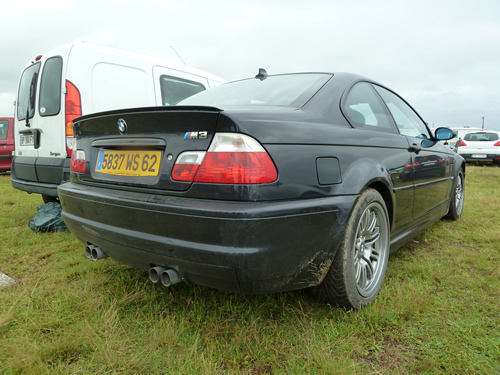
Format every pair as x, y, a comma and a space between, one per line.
443, 56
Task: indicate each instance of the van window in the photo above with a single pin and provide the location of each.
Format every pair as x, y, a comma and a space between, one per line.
174, 89
50, 87
4, 129
27, 92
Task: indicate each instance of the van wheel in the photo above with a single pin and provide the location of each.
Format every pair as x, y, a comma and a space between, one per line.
358, 269
49, 198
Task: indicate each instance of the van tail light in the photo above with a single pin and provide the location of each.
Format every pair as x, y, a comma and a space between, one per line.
231, 159
78, 161
73, 110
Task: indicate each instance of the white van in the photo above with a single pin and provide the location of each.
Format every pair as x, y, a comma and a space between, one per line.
80, 79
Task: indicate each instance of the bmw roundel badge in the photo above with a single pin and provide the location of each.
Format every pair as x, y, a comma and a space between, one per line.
122, 126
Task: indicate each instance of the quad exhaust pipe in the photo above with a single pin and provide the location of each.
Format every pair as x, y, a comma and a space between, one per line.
167, 276
95, 252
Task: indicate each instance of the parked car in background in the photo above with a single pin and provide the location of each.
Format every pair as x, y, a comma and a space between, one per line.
80, 79
263, 185
481, 147
6, 143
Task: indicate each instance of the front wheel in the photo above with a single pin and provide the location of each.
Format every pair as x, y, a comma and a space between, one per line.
359, 267
457, 198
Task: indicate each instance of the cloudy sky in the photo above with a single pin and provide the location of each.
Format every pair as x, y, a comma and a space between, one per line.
443, 56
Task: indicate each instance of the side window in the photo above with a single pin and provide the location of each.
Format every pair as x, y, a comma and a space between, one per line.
364, 108
4, 127
50, 87
27, 92
407, 121
175, 89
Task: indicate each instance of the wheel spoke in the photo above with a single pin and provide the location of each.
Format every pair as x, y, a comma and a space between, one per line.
369, 267
362, 280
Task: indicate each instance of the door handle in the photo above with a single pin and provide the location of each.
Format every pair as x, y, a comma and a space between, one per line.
415, 148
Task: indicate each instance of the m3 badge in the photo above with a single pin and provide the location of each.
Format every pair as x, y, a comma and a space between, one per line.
196, 135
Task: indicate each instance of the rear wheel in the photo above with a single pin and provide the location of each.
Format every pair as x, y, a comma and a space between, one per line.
359, 267
48, 198
457, 198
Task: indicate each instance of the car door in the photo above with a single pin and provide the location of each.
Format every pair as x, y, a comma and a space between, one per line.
365, 110
431, 161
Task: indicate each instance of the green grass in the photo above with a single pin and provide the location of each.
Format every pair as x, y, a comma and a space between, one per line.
438, 310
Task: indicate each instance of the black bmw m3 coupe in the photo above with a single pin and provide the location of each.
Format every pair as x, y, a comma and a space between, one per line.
273, 183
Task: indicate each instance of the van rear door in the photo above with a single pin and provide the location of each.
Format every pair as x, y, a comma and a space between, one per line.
172, 86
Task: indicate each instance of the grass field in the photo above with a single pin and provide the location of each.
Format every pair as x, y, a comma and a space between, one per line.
438, 310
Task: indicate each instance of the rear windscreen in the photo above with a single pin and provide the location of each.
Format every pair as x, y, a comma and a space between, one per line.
478, 137
50, 87
27, 92
290, 90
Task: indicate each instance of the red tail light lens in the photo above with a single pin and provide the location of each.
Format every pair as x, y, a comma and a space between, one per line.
237, 168
187, 165
497, 144
231, 159
461, 143
73, 110
78, 161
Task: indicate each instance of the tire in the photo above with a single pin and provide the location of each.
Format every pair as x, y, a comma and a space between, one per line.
49, 198
360, 263
457, 198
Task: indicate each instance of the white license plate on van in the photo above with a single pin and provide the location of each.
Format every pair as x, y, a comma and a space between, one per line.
27, 140
479, 156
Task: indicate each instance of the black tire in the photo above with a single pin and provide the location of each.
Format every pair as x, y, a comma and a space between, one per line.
48, 198
359, 267
457, 198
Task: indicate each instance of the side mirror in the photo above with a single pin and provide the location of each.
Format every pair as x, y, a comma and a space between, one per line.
443, 134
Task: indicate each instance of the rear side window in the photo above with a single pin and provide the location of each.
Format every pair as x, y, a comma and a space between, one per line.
50, 87
27, 92
4, 129
174, 89
478, 137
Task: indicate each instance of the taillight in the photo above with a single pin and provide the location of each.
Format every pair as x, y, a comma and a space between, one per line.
187, 165
78, 161
231, 159
497, 144
73, 110
461, 143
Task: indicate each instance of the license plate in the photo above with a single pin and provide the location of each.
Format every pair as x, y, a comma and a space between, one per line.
479, 156
129, 163
26, 140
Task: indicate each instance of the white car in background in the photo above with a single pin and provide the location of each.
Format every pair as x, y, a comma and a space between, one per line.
483, 146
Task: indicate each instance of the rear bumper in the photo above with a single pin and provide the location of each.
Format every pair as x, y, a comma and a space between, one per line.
488, 159
252, 247
39, 175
